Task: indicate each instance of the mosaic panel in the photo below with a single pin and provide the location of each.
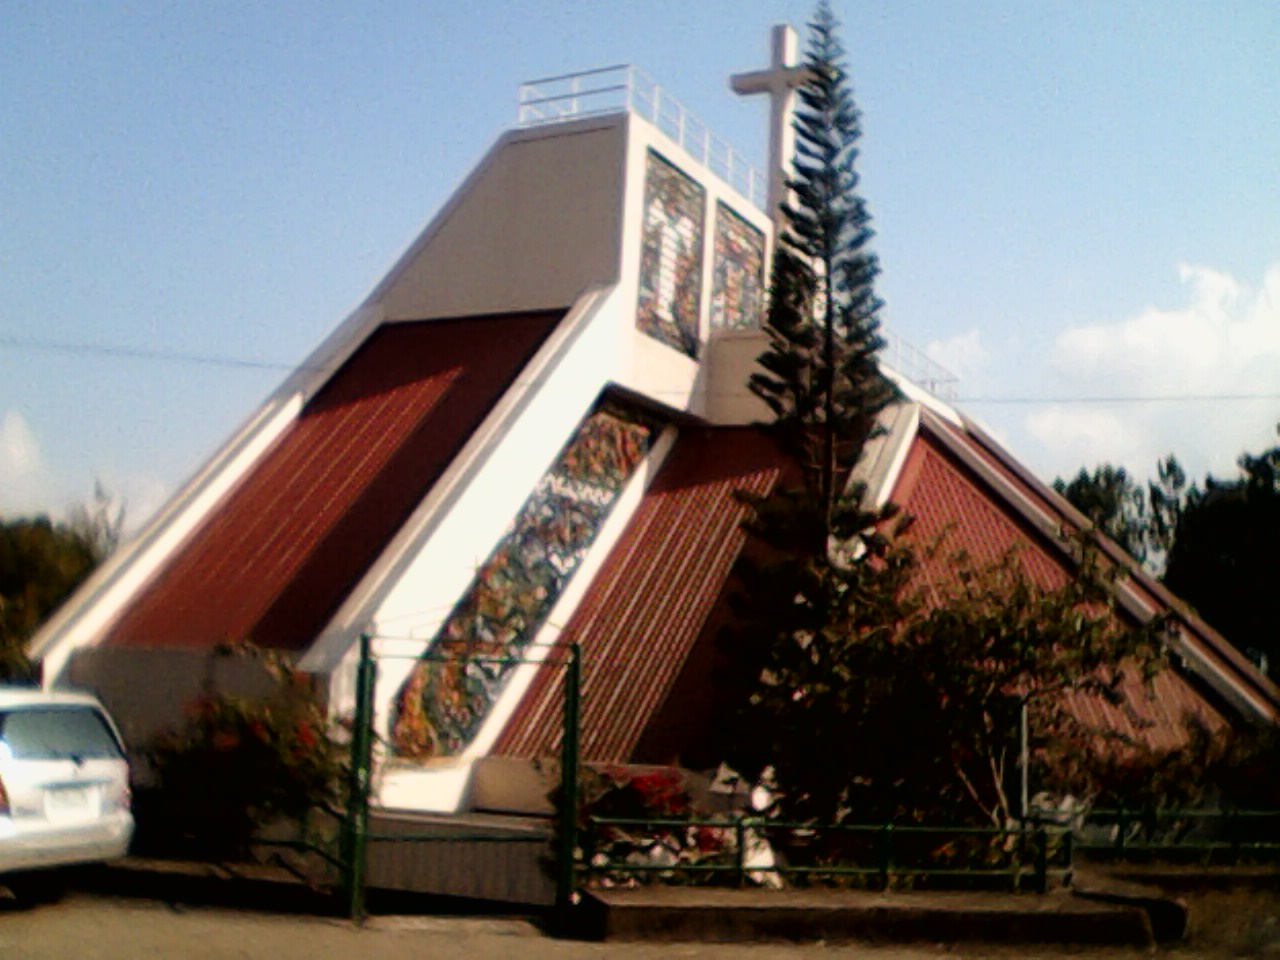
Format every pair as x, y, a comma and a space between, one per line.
737, 291
442, 704
671, 256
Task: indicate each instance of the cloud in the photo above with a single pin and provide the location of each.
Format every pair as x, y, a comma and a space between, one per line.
23, 472
143, 495
964, 354
30, 485
1181, 372
19, 452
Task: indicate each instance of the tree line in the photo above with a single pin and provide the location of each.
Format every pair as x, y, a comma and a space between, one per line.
1213, 545
42, 561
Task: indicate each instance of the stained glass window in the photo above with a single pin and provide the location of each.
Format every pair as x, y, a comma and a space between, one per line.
671, 256
442, 704
737, 292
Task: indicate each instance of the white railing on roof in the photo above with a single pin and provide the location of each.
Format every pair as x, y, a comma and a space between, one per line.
624, 88
914, 364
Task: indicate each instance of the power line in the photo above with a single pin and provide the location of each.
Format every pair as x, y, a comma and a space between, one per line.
222, 360
140, 353
1150, 398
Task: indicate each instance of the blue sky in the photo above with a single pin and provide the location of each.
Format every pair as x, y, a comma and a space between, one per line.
1073, 201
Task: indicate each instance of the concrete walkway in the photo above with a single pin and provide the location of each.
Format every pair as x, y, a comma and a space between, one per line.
1110, 915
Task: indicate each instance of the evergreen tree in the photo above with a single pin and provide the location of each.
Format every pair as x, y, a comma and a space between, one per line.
1224, 560
819, 375
1114, 503
820, 590
1143, 522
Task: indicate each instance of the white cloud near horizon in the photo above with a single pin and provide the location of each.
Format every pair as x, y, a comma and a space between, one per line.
29, 485
963, 355
1222, 343
22, 465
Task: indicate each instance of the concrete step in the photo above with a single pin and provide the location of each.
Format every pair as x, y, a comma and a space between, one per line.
708, 914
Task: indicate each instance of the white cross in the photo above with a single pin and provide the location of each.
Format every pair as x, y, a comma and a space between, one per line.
779, 81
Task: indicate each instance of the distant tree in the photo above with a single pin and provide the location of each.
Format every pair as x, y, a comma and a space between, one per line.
822, 585
1113, 502
1166, 496
1143, 521
41, 563
1224, 560
98, 524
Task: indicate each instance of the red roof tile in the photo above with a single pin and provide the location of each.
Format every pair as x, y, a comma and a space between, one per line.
277, 557
947, 499
652, 601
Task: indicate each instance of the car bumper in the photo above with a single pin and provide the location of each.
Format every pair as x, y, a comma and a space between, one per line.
30, 849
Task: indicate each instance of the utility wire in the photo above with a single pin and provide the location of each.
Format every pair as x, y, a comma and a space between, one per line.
216, 360
1150, 398
140, 353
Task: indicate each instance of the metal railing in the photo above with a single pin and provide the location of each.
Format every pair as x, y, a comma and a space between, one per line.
879, 855
355, 835
623, 88
1209, 835
918, 367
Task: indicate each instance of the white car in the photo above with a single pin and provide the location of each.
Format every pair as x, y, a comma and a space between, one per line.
64, 786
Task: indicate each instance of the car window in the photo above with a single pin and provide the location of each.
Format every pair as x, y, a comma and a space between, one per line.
50, 733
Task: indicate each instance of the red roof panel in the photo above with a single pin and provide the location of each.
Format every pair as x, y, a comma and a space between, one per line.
276, 558
652, 601
950, 501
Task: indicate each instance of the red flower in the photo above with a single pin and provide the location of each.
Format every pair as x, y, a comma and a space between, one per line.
306, 736
225, 740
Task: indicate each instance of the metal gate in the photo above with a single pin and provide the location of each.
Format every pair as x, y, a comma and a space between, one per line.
355, 834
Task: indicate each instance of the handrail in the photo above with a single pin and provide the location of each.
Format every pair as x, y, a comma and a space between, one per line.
623, 88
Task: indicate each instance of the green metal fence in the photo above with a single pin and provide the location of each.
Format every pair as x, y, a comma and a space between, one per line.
877, 855
1035, 856
1212, 836
355, 835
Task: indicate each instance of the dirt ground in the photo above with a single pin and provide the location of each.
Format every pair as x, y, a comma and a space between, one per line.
98, 927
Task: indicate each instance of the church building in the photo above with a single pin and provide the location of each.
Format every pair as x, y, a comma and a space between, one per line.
533, 431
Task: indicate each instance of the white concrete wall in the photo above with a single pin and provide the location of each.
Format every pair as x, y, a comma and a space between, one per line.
538, 221
650, 367
731, 359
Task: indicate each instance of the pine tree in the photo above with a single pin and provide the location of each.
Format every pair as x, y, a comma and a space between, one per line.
820, 377
816, 616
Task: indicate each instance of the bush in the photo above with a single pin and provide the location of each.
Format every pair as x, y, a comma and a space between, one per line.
237, 764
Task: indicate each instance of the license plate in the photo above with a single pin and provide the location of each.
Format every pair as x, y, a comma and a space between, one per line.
67, 802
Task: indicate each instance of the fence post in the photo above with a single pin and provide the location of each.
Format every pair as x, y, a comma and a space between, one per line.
886, 854
569, 786
1042, 859
355, 826
740, 827
1019, 857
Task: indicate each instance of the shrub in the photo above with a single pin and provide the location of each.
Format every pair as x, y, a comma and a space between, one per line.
236, 764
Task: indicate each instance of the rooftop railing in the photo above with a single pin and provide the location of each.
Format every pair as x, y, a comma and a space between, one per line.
623, 88
918, 367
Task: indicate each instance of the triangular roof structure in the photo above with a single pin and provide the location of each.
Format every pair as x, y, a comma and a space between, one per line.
535, 428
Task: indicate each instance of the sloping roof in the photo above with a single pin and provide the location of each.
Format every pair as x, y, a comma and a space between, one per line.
956, 482
1208, 652
291, 540
653, 601
655, 605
